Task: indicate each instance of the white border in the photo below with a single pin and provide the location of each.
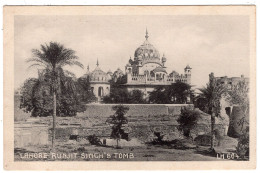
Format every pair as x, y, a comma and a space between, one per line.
120, 2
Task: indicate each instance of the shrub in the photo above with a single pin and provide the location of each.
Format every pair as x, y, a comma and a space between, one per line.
94, 140
188, 120
118, 119
243, 145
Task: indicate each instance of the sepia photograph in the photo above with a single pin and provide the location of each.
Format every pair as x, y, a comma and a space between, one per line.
130, 84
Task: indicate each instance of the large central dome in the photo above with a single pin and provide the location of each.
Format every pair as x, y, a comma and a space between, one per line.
146, 50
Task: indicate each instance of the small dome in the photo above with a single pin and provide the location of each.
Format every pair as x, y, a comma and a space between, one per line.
159, 69
119, 71
128, 65
174, 73
98, 75
109, 72
187, 67
130, 61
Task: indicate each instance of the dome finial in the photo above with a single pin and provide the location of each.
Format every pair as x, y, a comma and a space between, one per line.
146, 34
97, 63
88, 68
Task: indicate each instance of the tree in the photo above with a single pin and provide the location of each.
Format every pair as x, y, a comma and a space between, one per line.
179, 92
53, 57
212, 94
136, 97
188, 120
176, 93
159, 96
84, 90
118, 120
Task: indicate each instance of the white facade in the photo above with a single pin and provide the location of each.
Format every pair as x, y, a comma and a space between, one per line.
148, 70
99, 82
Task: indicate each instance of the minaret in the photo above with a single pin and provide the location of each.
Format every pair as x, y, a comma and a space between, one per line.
163, 60
97, 63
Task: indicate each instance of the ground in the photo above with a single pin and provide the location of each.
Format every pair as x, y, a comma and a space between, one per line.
76, 151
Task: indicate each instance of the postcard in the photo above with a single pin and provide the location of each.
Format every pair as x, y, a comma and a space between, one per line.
129, 87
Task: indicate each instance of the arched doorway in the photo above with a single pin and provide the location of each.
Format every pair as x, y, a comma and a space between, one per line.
100, 91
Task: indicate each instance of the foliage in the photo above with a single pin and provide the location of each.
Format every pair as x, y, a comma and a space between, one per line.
176, 93
84, 90
211, 95
201, 103
40, 97
136, 97
52, 58
26, 101
118, 120
159, 96
179, 92
188, 120
119, 94
94, 140
243, 145
37, 98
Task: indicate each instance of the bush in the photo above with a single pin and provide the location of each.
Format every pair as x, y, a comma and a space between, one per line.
94, 140
118, 120
243, 145
188, 120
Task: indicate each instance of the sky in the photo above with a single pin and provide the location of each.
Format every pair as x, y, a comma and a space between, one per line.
218, 44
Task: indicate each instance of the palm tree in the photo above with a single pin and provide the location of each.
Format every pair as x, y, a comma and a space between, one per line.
53, 58
211, 94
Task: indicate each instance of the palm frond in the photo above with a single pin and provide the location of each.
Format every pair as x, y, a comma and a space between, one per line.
68, 73
71, 63
37, 64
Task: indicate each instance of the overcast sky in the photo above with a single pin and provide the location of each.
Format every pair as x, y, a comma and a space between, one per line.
218, 44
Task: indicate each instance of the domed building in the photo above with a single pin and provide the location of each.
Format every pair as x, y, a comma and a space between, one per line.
148, 69
99, 82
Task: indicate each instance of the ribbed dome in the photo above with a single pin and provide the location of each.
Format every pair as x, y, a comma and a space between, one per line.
147, 50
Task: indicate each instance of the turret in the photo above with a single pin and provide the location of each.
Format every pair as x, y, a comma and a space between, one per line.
163, 60
139, 59
187, 71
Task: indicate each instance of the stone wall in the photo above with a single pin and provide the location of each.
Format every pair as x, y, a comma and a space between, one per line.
144, 120
136, 110
30, 134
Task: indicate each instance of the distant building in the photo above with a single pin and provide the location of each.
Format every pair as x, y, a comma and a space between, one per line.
230, 113
145, 72
231, 81
99, 82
